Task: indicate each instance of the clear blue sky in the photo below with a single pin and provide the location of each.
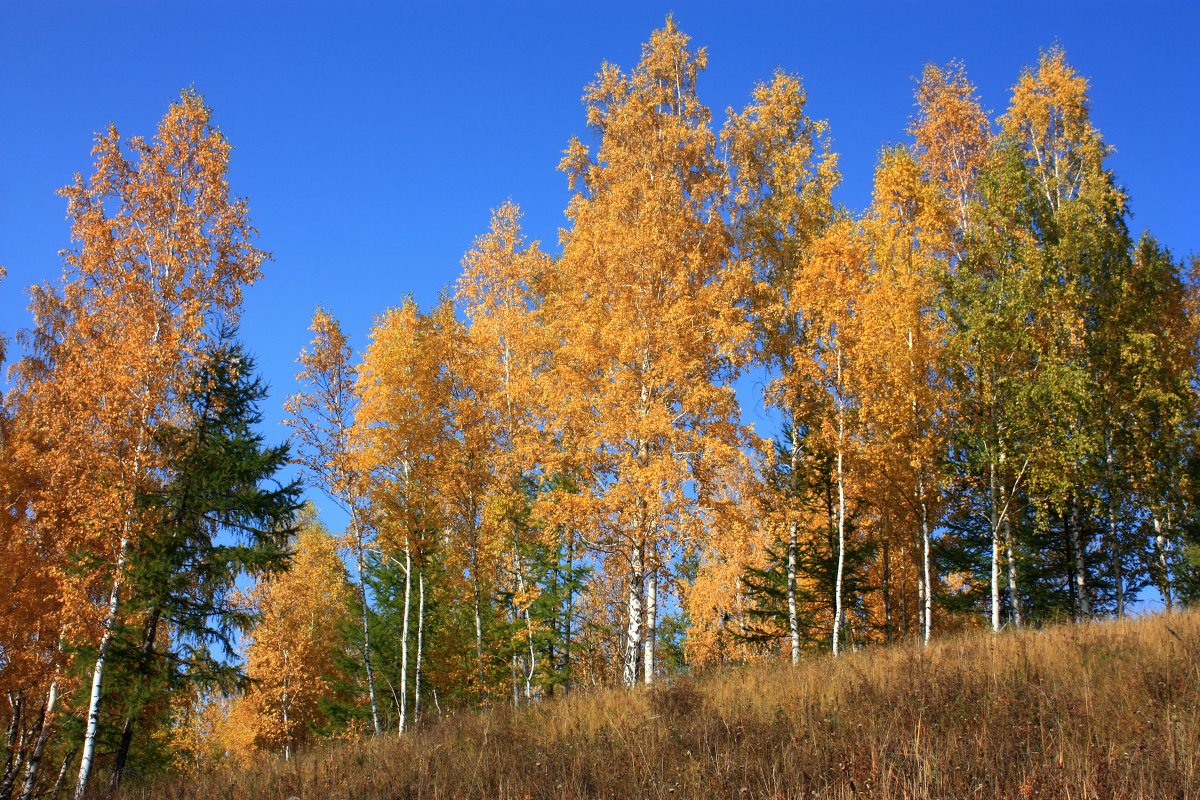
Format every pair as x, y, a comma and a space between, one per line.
372, 140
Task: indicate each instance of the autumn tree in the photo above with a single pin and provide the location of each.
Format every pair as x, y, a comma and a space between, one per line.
646, 303
904, 395
504, 360
403, 444
162, 251
783, 178
291, 657
322, 414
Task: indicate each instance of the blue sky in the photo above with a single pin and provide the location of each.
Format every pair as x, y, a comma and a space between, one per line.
372, 140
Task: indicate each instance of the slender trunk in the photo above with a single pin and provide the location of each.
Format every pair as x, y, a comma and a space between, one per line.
841, 488
1069, 544
144, 659
284, 703
478, 603
1014, 588
920, 593
887, 594
570, 614
1117, 566
793, 616
919, 429
926, 559
1114, 538
633, 630
13, 745
61, 780
420, 643
366, 629
651, 589
1078, 547
994, 520
519, 568
516, 687
403, 726
793, 526
1163, 570
118, 769
109, 627
45, 722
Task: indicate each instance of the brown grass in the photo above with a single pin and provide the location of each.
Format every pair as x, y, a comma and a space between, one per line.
1104, 710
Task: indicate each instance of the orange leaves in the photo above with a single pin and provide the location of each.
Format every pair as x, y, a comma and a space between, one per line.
952, 134
402, 440
323, 412
292, 661
1050, 115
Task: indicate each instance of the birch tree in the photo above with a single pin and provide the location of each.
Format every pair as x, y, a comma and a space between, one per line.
651, 324
783, 177
161, 253
322, 414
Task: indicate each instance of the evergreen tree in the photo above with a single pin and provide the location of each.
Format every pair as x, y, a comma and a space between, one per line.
221, 514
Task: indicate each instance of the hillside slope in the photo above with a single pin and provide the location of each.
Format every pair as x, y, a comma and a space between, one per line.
1108, 709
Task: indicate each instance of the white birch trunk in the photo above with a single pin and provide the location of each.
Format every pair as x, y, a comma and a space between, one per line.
633, 630
61, 780
93, 709
926, 560
841, 487
35, 757
793, 616
1077, 546
995, 526
366, 629
420, 643
651, 589
404, 640
283, 708
1164, 574
478, 613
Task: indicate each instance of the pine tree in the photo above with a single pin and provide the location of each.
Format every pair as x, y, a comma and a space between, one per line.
221, 515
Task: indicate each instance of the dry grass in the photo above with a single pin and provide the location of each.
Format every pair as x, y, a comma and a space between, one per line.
1104, 710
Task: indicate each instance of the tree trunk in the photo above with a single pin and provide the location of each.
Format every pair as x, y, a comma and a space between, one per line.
994, 520
144, 659
61, 780
1014, 588
570, 614
284, 704
45, 723
519, 568
1114, 538
366, 629
1077, 547
1163, 570
420, 643
478, 612
13, 745
404, 640
887, 594
926, 558
633, 630
109, 626
793, 616
841, 522
651, 588
793, 525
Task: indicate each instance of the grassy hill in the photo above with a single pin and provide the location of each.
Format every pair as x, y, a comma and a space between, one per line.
1108, 709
